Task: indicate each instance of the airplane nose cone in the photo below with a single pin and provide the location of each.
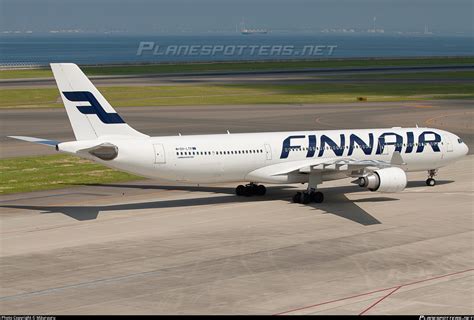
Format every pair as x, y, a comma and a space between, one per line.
466, 149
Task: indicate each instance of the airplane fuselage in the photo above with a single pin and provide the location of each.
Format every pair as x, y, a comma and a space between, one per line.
238, 157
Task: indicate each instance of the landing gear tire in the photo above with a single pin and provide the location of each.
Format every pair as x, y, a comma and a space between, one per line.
297, 197
318, 197
261, 190
240, 190
305, 197
250, 190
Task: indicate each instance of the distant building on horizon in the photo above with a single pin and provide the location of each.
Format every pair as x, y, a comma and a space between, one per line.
246, 31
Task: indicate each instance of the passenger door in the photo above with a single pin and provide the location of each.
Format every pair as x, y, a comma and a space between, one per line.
268, 151
160, 156
449, 143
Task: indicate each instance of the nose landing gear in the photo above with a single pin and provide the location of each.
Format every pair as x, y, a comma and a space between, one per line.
431, 182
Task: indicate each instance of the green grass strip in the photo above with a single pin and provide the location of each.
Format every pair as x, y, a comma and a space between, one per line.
25, 174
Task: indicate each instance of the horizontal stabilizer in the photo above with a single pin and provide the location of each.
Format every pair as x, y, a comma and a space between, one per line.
46, 142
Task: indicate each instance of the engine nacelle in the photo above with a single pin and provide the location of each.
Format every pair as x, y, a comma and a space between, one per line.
385, 180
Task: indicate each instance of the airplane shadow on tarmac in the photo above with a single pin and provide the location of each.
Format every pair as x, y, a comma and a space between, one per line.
336, 202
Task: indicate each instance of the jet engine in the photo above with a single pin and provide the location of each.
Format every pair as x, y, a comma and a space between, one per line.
384, 180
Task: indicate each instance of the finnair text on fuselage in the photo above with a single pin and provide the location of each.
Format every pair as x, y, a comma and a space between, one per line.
404, 142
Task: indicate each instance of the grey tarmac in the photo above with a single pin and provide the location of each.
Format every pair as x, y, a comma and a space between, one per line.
148, 247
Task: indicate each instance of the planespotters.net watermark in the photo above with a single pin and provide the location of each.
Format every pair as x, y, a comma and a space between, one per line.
155, 49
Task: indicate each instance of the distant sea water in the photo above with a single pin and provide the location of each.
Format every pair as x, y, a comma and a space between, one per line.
18, 49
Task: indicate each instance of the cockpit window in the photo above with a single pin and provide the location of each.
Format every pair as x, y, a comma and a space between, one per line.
459, 140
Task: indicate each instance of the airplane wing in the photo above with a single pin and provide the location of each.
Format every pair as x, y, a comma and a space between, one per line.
46, 142
352, 167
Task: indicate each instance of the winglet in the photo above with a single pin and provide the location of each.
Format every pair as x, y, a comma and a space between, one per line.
46, 142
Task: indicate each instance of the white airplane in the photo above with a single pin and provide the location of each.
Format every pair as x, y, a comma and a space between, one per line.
378, 159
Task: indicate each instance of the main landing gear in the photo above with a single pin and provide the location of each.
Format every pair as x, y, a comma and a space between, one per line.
310, 195
431, 182
251, 189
